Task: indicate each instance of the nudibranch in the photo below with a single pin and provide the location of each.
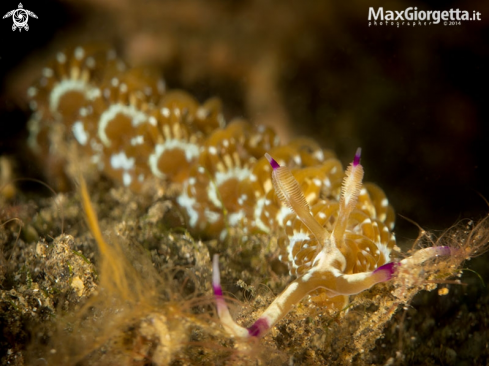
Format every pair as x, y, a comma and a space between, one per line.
338, 230
136, 131
336, 249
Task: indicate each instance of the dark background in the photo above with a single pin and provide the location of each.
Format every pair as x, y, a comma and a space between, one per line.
414, 98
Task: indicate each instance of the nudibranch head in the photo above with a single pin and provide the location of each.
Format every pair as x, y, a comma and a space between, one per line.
336, 247
352, 224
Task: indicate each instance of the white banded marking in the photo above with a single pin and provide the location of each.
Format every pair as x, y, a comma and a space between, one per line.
80, 133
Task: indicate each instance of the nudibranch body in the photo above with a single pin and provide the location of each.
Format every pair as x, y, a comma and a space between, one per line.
336, 233
136, 131
337, 238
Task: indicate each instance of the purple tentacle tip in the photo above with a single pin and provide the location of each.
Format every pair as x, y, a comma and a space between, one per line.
356, 160
443, 250
272, 162
216, 277
217, 291
258, 328
389, 269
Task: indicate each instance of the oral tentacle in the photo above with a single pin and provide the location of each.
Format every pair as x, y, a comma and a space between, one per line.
425, 254
350, 284
280, 307
227, 320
